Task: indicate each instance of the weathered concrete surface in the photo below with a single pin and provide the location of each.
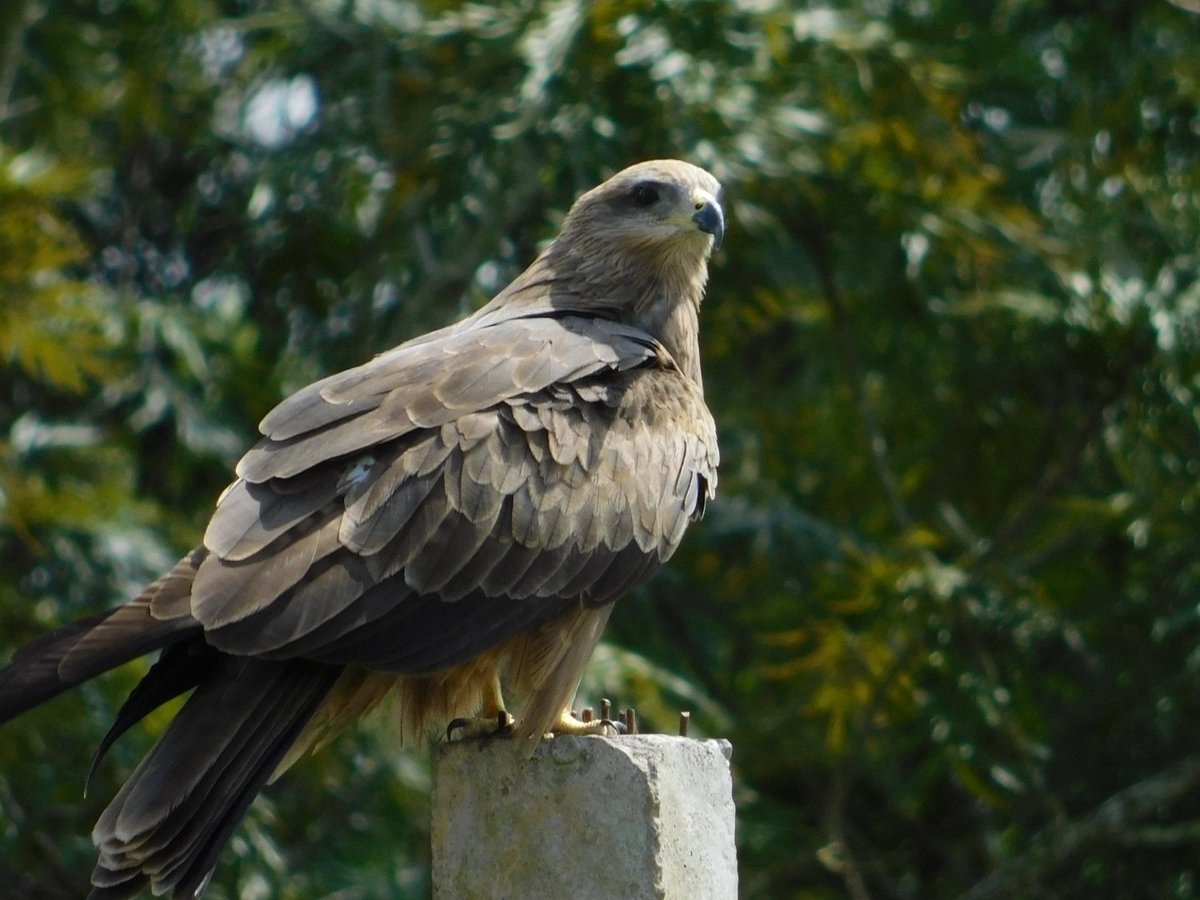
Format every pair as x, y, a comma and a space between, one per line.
637, 817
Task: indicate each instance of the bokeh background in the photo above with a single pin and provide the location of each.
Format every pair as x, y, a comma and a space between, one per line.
947, 606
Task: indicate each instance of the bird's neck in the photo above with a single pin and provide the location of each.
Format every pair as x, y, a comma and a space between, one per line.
660, 295
674, 320
657, 292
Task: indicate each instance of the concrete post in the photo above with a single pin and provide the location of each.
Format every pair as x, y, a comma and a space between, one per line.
587, 818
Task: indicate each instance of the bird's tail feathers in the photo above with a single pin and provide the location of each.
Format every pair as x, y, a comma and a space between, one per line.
169, 822
70, 655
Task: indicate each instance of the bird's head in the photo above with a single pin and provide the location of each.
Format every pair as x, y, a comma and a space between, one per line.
634, 249
663, 207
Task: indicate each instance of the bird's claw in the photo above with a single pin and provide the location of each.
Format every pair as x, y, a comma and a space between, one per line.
481, 726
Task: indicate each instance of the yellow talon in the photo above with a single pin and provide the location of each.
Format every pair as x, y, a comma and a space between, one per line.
568, 724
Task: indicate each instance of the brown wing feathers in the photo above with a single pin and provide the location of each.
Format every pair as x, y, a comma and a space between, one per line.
430, 385
443, 517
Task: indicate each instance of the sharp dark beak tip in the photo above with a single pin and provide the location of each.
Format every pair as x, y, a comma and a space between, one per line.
711, 220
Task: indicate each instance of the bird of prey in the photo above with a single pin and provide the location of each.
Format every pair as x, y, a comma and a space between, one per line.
460, 512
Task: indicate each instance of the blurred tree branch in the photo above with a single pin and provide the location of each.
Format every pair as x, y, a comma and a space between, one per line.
12, 28
1057, 471
1116, 821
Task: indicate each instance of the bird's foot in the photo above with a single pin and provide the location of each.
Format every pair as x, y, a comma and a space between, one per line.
500, 724
484, 726
568, 724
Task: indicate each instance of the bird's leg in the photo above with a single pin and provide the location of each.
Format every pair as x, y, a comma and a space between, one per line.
493, 719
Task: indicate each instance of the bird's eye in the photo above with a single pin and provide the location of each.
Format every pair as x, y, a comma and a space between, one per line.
644, 194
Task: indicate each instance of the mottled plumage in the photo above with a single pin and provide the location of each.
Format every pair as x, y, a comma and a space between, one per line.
460, 510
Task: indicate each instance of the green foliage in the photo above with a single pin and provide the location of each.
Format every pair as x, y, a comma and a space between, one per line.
946, 604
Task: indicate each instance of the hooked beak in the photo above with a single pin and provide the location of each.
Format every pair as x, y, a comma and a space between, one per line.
711, 220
